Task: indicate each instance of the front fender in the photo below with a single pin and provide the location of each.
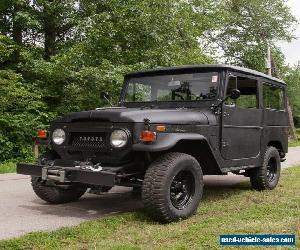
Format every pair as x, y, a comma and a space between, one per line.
166, 141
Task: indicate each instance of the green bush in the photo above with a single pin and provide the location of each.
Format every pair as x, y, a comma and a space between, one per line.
22, 112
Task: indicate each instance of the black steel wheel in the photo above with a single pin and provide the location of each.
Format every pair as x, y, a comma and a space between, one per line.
267, 176
272, 169
172, 187
182, 189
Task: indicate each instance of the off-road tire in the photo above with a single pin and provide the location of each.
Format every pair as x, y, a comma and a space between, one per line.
52, 193
56, 194
261, 178
157, 185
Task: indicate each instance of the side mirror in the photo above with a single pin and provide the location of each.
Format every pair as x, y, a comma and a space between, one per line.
105, 96
235, 94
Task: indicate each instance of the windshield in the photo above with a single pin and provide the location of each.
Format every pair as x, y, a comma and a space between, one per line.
179, 87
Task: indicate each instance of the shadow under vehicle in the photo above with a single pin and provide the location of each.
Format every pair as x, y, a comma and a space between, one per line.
171, 127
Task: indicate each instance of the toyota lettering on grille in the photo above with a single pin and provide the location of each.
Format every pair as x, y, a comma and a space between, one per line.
90, 139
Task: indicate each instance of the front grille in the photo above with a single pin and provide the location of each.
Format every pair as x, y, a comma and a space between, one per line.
88, 141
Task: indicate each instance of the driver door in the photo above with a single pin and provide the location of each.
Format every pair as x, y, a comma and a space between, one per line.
241, 119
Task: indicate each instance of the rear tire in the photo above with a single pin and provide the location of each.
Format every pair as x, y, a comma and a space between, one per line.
172, 187
56, 194
267, 176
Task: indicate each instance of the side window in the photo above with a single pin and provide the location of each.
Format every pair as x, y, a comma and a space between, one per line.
248, 89
273, 97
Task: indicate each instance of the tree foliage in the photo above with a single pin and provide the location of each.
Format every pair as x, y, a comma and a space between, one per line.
292, 79
249, 27
21, 110
56, 56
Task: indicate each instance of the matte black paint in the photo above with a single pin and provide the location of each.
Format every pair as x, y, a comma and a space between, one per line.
138, 115
227, 140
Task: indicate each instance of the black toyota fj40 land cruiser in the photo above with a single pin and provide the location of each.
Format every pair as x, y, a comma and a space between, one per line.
172, 126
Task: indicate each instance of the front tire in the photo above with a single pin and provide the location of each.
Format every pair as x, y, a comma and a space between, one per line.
56, 194
173, 187
267, 176
49, 191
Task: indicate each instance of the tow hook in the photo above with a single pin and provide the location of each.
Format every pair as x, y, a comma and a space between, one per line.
89, 166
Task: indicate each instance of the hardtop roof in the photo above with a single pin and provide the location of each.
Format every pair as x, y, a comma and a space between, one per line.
205, 66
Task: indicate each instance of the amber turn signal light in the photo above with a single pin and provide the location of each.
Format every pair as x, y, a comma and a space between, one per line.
160, 128
42, 134
148, 136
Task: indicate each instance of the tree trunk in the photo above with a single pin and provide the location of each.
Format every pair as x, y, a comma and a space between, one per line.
50, 38
49, 32
16, 32
17, 28
292, 129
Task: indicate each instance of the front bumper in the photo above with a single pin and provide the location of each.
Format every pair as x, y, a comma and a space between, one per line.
68, 174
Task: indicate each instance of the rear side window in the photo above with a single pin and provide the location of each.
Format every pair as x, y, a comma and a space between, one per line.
273, 97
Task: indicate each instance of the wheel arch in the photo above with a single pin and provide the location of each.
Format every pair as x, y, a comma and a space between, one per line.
188, 143
201, 150
278, 146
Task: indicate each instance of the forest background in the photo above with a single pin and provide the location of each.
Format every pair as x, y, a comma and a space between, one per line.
57, 56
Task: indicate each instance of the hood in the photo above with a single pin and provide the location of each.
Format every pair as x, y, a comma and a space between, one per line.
186, 116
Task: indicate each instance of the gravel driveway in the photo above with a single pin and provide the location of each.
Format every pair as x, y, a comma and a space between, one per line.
22, 212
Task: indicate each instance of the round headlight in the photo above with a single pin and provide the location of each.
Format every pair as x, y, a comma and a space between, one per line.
118, 138
58, 136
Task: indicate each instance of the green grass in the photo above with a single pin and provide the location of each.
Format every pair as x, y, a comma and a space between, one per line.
8, 167
224, 210
294, 143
